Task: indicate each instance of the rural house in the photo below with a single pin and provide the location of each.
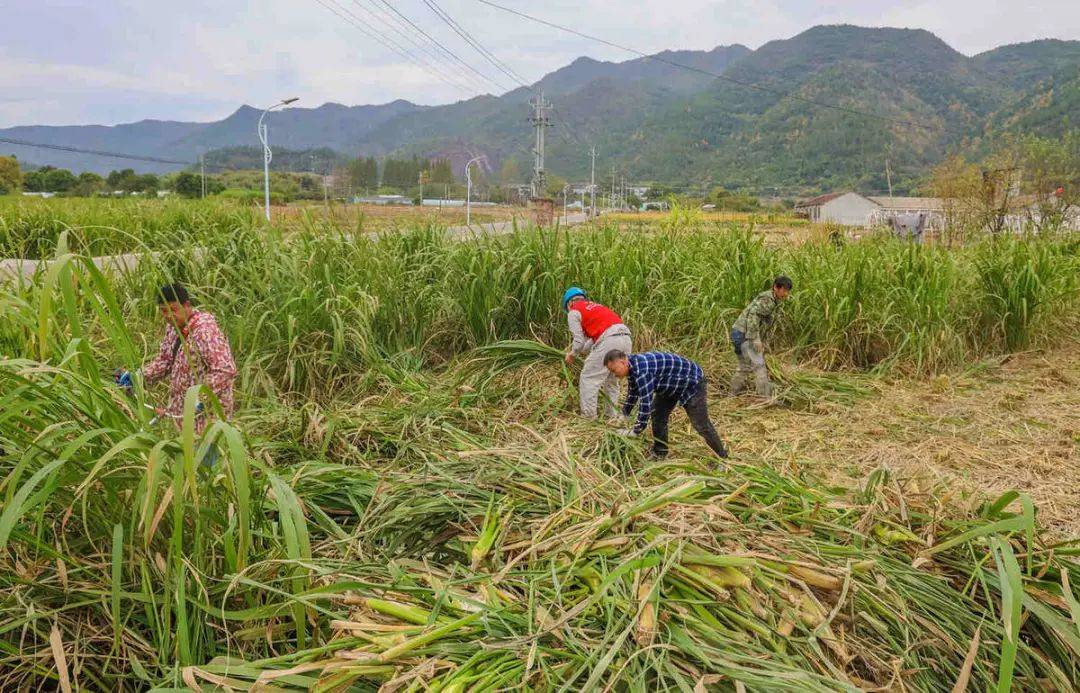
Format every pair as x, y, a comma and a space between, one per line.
933, 208
846, 208
853, 209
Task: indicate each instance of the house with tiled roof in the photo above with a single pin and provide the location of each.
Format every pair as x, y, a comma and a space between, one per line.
845, 208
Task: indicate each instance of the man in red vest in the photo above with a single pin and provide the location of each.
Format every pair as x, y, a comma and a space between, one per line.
596, 330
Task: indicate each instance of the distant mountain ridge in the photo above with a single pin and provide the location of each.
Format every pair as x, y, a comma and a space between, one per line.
657, 121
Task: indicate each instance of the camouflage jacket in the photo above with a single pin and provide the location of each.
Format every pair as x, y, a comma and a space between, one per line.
757, 318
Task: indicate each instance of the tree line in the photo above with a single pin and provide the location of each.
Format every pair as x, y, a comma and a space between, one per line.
365, 173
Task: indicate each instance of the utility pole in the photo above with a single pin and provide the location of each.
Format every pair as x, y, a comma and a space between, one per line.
592, 185
202, 173
468, 189
888, 176
612, 201
263, 133
325, 192
540, 121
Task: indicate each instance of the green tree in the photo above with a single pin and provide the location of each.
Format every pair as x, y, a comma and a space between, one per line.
1051, 170
364, 173
510, 172
88, 184
34, 181
121, 180
147, 183
60, 180
187, 184
555, 185
10, 175
441, 173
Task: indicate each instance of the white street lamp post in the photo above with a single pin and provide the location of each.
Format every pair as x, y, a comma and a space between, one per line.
468, 189
267, 154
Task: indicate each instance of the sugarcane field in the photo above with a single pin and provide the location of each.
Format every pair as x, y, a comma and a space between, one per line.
476, 346
404, 494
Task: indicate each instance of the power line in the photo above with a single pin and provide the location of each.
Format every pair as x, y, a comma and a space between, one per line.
447, 51
401, 29
120, 155
101, 152
479, 47
349, 18
717, 75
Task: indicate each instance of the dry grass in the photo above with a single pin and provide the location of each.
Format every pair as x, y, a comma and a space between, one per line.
711, 216
1013, 425
379, 217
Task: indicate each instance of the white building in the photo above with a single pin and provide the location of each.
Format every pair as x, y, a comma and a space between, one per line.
853, 209
932, 207
845, 208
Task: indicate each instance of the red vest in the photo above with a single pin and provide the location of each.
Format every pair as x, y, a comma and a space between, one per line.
595, 318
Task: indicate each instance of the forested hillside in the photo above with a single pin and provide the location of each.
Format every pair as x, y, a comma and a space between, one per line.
824, 109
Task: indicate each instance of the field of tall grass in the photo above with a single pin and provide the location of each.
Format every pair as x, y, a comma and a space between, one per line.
31, 227
405, 498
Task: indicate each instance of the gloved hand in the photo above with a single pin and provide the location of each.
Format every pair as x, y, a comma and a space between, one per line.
569, 358
627, 432
759, 346
122, 378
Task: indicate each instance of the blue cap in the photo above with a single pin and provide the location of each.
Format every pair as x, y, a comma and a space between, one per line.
572, 292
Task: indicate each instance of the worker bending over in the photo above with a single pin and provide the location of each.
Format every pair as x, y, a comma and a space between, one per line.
749, 337
657, 382
596, 330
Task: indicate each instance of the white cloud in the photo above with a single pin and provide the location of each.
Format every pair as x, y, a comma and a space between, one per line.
122, 60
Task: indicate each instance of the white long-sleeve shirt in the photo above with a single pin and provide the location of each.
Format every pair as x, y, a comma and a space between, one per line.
581, 344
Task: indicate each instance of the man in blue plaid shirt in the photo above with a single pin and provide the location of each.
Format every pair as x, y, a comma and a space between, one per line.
657, 382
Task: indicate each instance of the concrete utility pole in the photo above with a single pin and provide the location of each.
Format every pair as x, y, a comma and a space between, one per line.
612, 203
267, 154
468, 189
540, 120
202, 174
592, 184
888, 176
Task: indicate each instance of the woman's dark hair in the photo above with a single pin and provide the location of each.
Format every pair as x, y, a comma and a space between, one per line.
782, 282
173, 293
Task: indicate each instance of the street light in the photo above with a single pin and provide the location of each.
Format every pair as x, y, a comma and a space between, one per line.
468, 188
267, 155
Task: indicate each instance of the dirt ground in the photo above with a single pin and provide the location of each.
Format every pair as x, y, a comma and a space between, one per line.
1012, 425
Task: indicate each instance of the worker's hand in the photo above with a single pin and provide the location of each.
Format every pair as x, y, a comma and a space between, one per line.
759, 346
569, 358
122, 377
158, 411
627, 432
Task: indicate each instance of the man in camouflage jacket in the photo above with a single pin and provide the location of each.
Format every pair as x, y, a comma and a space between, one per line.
749, 334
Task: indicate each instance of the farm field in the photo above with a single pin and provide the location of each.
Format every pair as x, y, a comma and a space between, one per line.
406, 498
30, 227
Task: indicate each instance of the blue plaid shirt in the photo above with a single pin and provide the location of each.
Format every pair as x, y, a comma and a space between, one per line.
658, 371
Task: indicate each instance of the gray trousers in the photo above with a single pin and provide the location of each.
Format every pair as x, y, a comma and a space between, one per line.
596, 378
751, 361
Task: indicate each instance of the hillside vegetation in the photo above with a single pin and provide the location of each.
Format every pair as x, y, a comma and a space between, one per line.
657, 122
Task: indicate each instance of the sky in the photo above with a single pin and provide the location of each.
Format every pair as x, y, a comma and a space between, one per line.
114, 61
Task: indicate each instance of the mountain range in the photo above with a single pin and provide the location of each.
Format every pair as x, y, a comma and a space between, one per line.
823, 109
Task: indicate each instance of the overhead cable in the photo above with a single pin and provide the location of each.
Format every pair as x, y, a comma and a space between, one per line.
750, 85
